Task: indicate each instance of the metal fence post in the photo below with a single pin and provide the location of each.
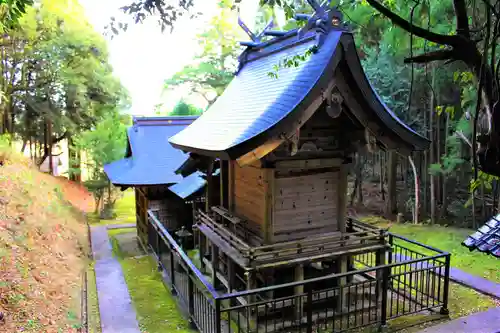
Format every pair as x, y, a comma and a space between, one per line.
190, 301
309, 312
444, 309
217, 316
172, 270
158, 249
391, 242
386, 272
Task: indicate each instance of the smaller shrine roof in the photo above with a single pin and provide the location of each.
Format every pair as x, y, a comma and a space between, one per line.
150, 159
487, 238
188, 186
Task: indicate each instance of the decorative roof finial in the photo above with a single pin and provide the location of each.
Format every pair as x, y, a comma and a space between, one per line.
247, 30
319, 9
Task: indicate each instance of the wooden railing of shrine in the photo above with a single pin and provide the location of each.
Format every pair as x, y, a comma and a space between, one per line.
415, 279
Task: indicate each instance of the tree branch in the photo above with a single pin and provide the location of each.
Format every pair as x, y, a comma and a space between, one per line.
462, 18
431, 56
417, 31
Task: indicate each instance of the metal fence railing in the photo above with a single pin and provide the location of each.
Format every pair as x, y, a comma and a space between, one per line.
414, 278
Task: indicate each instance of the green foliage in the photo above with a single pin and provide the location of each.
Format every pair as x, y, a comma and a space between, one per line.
184, 109
103, 144
62, 74
292, 61
213, 68
11, 11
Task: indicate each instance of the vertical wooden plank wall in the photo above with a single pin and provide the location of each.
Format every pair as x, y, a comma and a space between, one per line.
142, 215
267, 223
249, 195
305, 203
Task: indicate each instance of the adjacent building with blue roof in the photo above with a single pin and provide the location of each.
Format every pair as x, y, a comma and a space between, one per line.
150, 166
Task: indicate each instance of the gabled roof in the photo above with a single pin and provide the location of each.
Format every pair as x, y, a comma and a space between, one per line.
150, 159
257, 107
487, 238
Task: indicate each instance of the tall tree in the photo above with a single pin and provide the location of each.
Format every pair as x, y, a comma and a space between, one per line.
214, 66
55, 75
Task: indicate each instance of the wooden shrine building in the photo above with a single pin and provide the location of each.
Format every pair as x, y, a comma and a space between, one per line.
150, 166
285, 140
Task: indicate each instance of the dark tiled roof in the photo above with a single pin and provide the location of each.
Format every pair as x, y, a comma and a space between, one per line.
189, 185
150, 159
487, 238
256, 106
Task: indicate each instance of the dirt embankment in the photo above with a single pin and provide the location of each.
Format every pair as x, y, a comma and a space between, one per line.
43, 249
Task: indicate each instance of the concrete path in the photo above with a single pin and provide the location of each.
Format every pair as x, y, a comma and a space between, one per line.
482, 322
477, 283
115, 306
482, 285
121, 226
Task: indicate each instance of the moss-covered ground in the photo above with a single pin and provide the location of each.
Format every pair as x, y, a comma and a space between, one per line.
156, 308
447, 239
94, 322
124, 210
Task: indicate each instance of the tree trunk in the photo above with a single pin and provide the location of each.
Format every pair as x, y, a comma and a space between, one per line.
23, 148
74, 161
431, 151
444, 192
358, 182
382, 180
417, 187
391, 203
49, 142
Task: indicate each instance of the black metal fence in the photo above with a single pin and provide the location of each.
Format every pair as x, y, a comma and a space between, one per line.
413, 278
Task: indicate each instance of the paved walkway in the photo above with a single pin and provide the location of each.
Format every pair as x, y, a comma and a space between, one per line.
115, 306
482, 322
477, 283
482, 285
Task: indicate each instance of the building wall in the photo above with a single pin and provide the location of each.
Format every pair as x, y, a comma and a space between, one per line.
60, 148
304, 204
249, 195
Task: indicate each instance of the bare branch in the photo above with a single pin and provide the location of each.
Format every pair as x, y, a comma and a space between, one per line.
417, 31
462, 18
431, 56
464, 138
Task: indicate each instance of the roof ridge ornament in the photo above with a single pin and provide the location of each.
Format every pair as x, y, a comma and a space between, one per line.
247, 30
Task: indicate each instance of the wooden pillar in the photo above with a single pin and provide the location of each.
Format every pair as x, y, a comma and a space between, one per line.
202, 248
342, 261
215, 265
268, 206
230, 186
341, 196
299, 290
224, 183
231, 275
209, 200
251, 283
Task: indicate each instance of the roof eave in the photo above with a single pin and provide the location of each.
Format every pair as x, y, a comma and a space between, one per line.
410, 139
294, 119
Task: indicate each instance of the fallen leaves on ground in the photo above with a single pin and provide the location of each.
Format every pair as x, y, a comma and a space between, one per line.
43, 245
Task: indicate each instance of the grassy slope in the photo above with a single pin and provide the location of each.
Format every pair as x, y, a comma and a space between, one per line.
43, 246
156, 309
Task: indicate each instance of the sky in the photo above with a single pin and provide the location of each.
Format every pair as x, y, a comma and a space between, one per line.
143, 57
